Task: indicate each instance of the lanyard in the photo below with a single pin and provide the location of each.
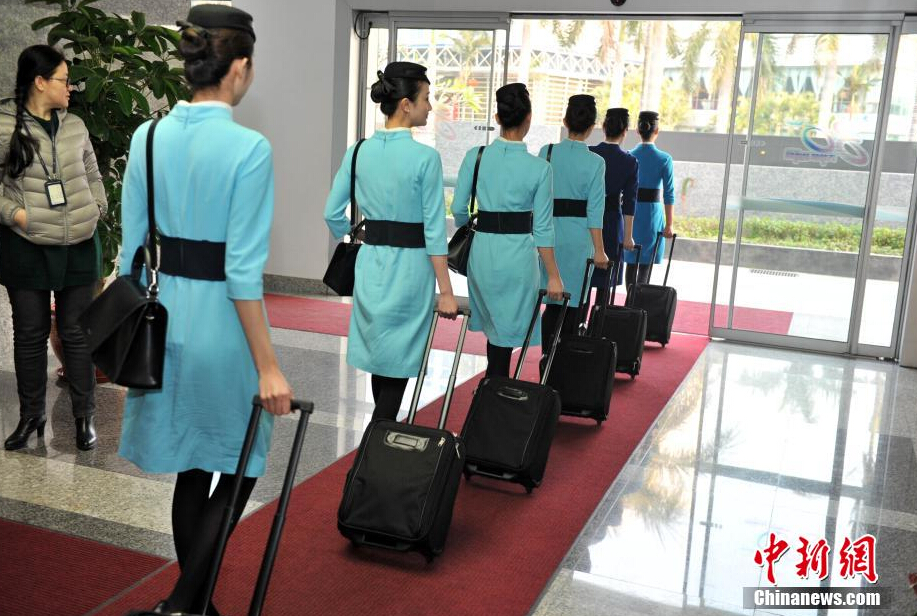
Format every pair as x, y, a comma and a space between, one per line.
53, 152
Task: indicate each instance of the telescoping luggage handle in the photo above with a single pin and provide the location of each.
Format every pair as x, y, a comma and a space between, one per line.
584, 299
270, 552
465, 311
528, 336
668, 266
619, 263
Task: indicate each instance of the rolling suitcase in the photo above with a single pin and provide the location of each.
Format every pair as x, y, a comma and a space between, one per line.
625, 325
270, 552
659, 301
400, 492
511, 423
584, 368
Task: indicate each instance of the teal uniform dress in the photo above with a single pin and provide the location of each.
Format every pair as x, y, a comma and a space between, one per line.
214, 181
503, 270
398, 179
654, 171
578, 174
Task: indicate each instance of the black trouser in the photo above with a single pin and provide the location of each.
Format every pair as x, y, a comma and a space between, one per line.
196, 520
387, 393
498, 359
31, 328
549, 324
636, 273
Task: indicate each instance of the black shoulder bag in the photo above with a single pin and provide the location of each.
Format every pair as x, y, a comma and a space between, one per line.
125, 326
340, 273
460, 244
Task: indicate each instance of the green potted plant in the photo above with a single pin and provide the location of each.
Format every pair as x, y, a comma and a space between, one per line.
125, 71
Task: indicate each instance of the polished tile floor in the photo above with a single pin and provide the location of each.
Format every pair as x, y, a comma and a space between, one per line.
755, 441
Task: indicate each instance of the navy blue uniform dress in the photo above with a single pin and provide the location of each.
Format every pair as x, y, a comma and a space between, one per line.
620, 200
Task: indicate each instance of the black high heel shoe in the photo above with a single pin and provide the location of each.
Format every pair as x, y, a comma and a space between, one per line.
85, 433
20, 435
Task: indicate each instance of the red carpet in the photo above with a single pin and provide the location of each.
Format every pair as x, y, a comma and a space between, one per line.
327, 317
330, 317
503, 546
45, 573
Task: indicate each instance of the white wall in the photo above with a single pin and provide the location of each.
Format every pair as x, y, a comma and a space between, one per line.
300, 96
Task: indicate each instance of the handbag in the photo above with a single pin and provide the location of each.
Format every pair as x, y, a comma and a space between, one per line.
341, 270
125, 326
460, 244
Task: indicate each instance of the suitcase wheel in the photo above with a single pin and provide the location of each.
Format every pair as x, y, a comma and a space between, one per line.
528, 489
598, 422
467, 474
633, 377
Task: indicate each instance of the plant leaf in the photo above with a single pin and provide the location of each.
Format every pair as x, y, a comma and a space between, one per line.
125, 100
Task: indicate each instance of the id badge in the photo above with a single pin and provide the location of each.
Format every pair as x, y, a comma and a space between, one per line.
55, 191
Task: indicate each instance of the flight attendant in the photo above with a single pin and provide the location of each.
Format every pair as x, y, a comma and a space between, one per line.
515, 225
620, 192
579, 205
399, 188
655, 186
214, 245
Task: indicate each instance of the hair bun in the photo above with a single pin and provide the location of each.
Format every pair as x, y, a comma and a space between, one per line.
194, 45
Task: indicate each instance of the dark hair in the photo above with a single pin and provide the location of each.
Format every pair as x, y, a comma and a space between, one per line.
34, 61
617, 121
580, 116
647, 124
513, 105
388, 91
208, 53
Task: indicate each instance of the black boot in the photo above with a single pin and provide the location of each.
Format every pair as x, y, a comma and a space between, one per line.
85, 433
20, 435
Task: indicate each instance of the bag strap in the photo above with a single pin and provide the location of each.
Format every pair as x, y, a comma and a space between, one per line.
152, 235
474, 181
353, 183
550, 151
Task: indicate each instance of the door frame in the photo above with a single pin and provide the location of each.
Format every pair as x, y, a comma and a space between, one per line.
889, 25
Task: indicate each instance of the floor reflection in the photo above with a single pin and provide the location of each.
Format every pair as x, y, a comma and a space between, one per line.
755, 442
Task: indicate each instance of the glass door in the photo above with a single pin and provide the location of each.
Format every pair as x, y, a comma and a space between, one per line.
798, 209
466, 63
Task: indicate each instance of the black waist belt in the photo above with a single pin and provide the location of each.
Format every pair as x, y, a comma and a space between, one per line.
649, 195
196, 259
613, 202
504, 222
394, 233
575, 208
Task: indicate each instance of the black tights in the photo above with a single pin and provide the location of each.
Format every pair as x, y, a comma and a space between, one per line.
498, 359
387, 394
636, 273
549, 324
196, 520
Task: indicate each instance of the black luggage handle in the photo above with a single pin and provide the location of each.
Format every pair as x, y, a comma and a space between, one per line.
270, 552
583, 326
668, 266
528, 336
584, 299
465, 311
620, 264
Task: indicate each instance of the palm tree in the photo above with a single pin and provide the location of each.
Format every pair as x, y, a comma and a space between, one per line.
826, 48
653, 59
725, 37
616, 34
857, 85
